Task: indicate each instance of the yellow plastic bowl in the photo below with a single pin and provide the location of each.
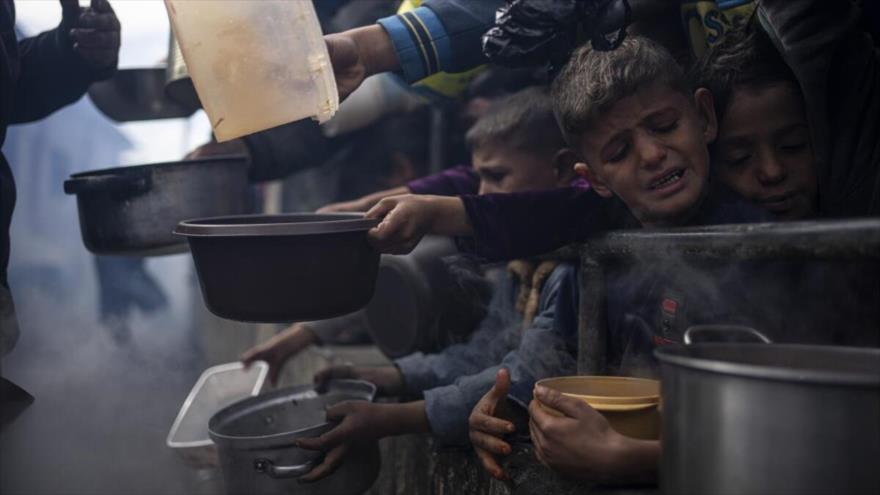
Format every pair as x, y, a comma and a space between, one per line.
629, 404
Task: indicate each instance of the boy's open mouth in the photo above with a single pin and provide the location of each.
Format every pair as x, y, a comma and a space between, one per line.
667, 179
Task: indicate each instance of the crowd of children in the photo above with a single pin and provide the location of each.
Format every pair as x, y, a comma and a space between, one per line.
777, 120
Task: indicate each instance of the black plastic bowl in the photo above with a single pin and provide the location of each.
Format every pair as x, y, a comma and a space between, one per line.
281, 268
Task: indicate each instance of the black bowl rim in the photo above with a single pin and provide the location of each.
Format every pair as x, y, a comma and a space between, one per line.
243, 159
335, 223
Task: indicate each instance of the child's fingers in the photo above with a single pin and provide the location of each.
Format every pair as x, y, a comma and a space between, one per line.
331, 461
381, 209
491, 465
569, 406
500, 389
329, 440
491, 424
489, 443
537, 437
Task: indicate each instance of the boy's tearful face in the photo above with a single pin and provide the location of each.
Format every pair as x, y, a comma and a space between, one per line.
764, 151
650, 150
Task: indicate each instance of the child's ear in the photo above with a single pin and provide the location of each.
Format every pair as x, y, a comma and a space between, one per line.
564, 161
596, 184
706, 109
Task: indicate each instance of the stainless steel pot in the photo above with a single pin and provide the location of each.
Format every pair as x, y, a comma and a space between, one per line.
133, 210
750, 418
255, 441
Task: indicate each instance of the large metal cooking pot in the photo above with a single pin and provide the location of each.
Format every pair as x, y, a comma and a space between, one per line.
282, 268
749, 418
256, 438
133, 210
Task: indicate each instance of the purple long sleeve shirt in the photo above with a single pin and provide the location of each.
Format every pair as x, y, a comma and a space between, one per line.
455, 181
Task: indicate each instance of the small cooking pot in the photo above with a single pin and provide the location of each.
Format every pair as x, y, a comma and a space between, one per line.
754, 418
134, 210
282, 268
256, 440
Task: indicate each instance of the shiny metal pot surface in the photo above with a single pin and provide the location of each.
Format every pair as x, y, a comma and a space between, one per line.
255, 442
770, 419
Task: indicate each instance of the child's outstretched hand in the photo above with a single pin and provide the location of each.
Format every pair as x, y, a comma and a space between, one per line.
486, 427
407, 218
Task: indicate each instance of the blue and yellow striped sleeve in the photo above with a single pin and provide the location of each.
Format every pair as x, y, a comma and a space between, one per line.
421, 42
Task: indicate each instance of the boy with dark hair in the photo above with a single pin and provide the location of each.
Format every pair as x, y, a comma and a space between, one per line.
531, 325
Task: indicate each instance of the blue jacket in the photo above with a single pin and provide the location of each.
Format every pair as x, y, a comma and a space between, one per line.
454, 380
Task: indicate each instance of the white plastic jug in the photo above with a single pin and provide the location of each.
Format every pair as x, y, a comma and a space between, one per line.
255, 64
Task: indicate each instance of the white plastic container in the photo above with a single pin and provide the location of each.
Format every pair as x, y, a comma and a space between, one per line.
255, 64
218, 387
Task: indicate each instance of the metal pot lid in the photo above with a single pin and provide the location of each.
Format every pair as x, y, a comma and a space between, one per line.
149, 167
280, 417
812, 364
275, 225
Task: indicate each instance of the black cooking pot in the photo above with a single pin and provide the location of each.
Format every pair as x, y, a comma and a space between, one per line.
134, 210
753, 418
256, 440
281, 268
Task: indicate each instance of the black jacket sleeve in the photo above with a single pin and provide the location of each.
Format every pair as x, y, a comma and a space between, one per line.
52, 76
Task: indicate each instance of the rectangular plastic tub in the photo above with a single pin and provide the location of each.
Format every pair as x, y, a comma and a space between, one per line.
217, 387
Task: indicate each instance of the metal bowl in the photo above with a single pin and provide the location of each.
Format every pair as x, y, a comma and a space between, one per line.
281, 268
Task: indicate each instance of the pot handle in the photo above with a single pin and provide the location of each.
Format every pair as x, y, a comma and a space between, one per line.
723, 333
118, 184
280, 472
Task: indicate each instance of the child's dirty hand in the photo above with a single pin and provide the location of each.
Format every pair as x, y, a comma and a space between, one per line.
407, 218
359, 421
487, 429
